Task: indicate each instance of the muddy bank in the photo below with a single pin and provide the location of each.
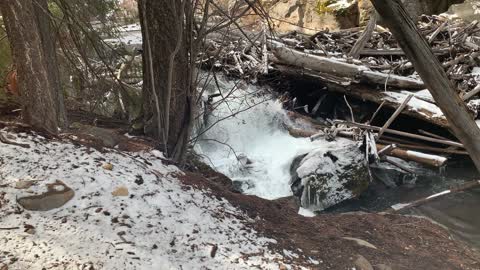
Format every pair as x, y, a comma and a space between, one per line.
401, 242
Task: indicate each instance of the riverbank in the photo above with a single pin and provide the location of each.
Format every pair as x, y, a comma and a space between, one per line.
141, 212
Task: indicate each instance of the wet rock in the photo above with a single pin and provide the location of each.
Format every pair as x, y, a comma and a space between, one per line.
241, 186
57, 195
327, 176
362, 264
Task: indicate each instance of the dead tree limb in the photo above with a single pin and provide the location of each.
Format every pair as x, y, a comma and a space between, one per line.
419, 52
463, 187
395, 115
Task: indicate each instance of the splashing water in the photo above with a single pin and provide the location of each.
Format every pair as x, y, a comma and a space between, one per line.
250, 144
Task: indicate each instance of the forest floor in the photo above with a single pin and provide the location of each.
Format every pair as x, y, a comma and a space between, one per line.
130, 208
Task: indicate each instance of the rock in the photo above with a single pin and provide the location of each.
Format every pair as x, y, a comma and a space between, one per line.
57, 195
418, 7
362, 264
470, 10
360, 242
382, 267
365, 9
346, 13
329, 175
108, 137
108, 166
120, 191
240, 186
24, 184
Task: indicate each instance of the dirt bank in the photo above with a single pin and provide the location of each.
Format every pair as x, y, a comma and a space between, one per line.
402, 242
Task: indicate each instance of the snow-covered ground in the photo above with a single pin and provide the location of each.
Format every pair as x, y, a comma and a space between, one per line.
160, 224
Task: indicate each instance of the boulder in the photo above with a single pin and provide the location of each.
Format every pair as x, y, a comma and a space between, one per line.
327, 176
470, 10
418, 7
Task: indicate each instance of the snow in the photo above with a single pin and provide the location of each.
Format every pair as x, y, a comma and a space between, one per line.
306, 212
128, 35
399, 206
341, 4
478, 122
160, 225
476, 71
438, 194
415, 104
257, 134
438, 159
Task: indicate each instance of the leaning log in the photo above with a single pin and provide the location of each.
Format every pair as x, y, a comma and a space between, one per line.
419, 52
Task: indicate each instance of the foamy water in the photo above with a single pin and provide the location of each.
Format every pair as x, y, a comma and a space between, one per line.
252, 146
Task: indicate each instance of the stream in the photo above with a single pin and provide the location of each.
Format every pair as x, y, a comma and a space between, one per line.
244, 138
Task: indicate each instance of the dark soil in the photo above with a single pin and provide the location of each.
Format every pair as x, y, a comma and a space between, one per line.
402, 242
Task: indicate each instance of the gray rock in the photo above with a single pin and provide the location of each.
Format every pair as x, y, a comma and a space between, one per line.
57, 195
362, 264
329, 175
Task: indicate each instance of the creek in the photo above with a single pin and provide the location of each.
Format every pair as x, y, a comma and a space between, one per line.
244, 137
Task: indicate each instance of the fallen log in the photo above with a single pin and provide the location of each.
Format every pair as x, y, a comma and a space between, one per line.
339, 68
418, 108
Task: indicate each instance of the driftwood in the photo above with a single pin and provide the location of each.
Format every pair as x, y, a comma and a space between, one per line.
432, 73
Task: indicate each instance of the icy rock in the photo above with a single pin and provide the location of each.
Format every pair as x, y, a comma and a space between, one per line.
323, 178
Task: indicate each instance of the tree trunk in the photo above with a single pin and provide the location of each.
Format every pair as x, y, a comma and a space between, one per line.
32, 42
168, 72
418, 51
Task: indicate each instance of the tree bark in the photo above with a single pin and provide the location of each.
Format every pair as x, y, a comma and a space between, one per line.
32, 42
432, 73
168, 70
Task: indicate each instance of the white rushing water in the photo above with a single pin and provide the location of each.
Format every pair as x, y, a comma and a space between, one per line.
251, 145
